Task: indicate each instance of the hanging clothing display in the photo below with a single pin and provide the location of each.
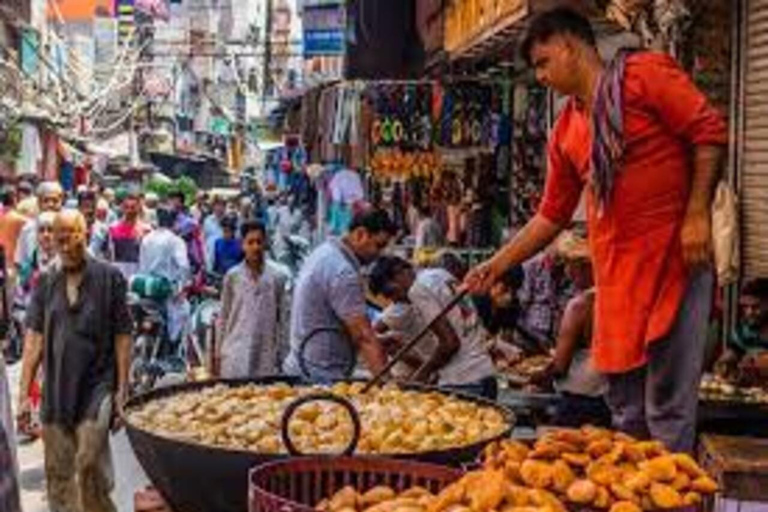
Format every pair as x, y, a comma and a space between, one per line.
31, 153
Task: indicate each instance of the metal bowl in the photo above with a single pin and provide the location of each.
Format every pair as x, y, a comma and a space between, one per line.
198, 478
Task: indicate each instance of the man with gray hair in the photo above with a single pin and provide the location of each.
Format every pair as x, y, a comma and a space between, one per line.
50, 198
79, 329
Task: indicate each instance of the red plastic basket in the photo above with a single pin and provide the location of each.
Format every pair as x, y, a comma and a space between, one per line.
298, 484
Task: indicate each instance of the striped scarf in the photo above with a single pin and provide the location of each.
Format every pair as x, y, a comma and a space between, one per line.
608, 128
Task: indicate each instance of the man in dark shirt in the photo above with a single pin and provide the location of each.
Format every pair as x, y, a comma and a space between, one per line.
79, 328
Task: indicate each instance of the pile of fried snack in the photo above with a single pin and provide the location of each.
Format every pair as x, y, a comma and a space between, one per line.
586, 469
248, 417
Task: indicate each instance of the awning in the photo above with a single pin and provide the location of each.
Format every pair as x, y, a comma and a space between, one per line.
497, 38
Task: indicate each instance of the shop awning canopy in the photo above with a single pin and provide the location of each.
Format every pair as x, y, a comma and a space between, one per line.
499, 39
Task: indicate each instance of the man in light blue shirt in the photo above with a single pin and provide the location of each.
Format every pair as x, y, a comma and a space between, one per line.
329, 324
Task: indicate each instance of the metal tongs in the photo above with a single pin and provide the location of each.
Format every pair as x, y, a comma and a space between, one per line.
376, 380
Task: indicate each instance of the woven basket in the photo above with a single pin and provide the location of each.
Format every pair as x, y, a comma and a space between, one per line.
298, 484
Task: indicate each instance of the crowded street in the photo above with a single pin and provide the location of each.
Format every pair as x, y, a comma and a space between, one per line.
383, 256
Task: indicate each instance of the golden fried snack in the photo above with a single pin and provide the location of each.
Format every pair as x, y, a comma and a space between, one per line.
691, 499
664, 496
681, 482
562, 476
638, 481
633, 453
660, 469
581, 460
536, 474
599, 447
582, 492
687, 464
345, 498
515, 450
489, 492
512, 470
323, 505
625, 506
415, 492
570, 436
516, 496
546, 499
624, 493
452, 495
704, 485
377, 495
602, 498
603, 473
652, 449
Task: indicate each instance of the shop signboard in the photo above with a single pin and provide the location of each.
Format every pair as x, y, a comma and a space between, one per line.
324, 42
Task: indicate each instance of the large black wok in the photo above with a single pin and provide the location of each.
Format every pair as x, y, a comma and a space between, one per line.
197, 478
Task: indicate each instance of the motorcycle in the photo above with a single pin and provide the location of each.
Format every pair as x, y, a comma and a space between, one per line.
149, 332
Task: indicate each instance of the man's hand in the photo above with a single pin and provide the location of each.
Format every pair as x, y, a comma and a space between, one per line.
24, 415
118, 411
479, 280
696, 238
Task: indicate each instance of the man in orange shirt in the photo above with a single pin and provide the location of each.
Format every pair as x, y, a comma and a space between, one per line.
647, 147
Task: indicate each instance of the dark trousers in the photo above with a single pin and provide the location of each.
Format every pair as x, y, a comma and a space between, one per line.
660, 399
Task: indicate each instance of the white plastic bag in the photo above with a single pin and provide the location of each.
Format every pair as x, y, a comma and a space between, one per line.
725, 234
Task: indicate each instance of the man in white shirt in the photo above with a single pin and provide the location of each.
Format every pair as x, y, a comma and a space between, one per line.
163, 254
460, 359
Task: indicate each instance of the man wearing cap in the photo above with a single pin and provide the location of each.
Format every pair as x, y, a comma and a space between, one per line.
646, 145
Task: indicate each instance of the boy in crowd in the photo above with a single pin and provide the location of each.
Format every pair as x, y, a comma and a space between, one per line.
459, 358
250, 312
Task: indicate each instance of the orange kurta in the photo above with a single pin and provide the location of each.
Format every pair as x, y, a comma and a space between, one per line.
640, 274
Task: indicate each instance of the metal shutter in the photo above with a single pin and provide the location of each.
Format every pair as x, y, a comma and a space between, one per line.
754, 160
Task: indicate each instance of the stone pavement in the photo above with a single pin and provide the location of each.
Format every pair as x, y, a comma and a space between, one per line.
128, 474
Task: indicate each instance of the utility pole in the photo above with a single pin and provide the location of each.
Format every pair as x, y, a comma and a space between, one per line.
267, 78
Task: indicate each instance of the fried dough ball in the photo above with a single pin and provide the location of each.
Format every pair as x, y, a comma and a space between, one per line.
581, 460
687, 464
599, 447
562, 476
625, 506
623, 493
603, 473
516, 496
345, 498
602, 498
542, 498
451, 495
415, 492
582, 492
691, 499
660, 469
638, 481
536, 474
664, 496
704, 485
377, 495
488, 494
681, 482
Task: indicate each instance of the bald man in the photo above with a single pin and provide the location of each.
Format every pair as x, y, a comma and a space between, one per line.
79, 329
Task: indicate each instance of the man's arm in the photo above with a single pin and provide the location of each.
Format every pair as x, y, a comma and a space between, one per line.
535, 236
31, 358
571, 332
364, 338
123, 343
696, 232
448, 344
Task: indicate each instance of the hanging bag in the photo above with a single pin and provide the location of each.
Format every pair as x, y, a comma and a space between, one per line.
725, 234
